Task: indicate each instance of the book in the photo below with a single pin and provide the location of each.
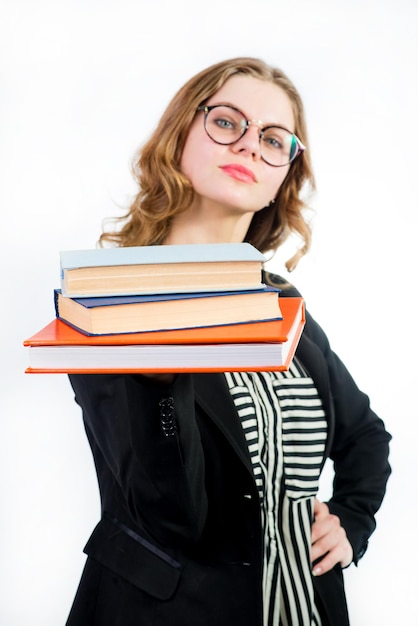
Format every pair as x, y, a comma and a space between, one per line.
257, 346
160, 269
130, 314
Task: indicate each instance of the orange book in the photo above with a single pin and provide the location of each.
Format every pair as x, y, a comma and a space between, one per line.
256, 346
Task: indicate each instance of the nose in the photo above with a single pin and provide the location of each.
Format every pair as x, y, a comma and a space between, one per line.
249, 142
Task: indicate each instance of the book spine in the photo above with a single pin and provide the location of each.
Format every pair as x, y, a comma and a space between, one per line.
56, 292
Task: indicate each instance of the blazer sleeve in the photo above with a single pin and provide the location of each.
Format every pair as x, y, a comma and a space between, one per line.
359, 450
145, 439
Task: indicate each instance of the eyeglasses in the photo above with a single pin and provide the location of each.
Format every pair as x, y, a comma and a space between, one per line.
226, 125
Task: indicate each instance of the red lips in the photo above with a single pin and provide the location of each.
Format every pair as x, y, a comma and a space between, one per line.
239, 172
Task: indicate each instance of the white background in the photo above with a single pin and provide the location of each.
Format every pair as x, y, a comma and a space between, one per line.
83, 82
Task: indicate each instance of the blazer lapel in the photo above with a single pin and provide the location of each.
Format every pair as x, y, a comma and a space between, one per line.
314, 362
212, 395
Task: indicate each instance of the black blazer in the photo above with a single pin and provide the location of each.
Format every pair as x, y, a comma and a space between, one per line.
179, 541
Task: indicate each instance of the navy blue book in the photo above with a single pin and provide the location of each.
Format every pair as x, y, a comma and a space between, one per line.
140, 313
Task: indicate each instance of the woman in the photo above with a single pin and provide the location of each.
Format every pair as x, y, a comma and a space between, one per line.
208, 481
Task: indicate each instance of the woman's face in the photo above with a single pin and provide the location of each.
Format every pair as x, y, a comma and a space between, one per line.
235, 176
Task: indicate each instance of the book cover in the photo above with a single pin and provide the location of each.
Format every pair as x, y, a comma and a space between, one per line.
127, 314
153, 255
258, 346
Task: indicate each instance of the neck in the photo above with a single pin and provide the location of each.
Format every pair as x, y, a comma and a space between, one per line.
209, 227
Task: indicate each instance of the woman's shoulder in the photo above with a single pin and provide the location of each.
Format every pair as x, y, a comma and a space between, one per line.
312, 329
286, 288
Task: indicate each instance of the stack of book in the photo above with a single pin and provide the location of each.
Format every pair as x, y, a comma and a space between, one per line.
166, 309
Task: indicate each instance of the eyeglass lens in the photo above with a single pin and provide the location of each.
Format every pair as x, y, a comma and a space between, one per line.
225, 125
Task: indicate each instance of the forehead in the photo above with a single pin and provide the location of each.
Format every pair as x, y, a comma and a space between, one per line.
257, 99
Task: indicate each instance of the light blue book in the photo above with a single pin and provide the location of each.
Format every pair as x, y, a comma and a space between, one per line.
160, 269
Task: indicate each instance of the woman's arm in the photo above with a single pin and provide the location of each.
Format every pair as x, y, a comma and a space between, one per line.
360, 450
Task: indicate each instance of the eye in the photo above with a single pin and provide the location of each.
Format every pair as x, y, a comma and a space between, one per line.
273, 142
224, 123
225, 119
276, 138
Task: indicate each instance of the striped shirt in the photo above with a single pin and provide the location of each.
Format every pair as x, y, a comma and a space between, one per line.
285, 428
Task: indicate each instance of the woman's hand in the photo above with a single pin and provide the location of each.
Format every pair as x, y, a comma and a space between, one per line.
329, 541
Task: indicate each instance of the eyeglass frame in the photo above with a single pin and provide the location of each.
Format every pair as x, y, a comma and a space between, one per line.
207, 109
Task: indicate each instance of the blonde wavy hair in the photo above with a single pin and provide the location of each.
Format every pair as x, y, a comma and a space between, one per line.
164, 191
